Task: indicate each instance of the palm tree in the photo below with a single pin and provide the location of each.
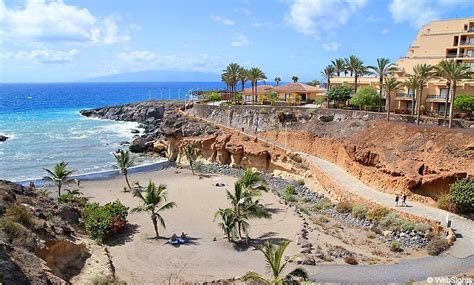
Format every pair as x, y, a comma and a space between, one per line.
124, 161
391, 86
294, 78
191, 154
383, 68
242, 76
229, 222
231, 74
274, 257
251, 180
412, 84
277, 80
356, 66
423, 73
60, 175
327, 73
442, 71
453, 72
254, 75
339, 66
154, 201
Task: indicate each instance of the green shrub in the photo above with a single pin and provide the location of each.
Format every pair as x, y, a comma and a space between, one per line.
395, 246
420, 227
377, 214
17, 234
300, 181
18, 213
375, 229
71, 198
290, 190
339, 93
214, 96
272, 97
344, 207
407, 226
461, 193
391, 221
323, 204
444, 203
437, 245
359, 211
323, 219
464, 102
198, 166
102, 222
366, 96
319, 101
238, 98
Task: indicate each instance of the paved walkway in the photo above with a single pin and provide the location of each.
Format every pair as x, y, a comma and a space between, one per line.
464, 246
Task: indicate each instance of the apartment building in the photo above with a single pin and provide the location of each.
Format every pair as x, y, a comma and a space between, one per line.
438, 40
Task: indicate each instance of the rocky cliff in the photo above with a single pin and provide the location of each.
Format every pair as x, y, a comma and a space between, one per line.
38, 241
394, 157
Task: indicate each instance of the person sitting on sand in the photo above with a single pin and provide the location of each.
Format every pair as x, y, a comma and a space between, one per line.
183, 238
174, 239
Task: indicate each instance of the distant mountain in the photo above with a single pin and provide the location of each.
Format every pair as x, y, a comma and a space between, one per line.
157, 75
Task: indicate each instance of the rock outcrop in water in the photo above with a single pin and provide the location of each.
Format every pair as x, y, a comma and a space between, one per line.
3, 138
38, 238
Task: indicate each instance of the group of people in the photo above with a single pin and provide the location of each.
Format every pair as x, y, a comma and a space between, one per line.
403, 202
175, 240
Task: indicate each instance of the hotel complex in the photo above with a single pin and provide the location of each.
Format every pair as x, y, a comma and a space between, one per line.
445, 39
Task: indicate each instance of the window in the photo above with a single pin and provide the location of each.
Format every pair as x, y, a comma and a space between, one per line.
443, 92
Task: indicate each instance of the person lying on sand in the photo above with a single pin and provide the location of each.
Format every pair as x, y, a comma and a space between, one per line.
218, 184
174, 239
183, 238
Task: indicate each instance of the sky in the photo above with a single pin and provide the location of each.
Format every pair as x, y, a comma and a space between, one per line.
72, 40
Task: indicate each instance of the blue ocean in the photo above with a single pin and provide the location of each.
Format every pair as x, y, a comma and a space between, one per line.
44, 126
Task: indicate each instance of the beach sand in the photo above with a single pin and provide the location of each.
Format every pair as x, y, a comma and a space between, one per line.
139, 258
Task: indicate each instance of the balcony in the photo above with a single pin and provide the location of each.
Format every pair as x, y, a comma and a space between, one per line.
469, 30
436, 98
404, 96
466, 43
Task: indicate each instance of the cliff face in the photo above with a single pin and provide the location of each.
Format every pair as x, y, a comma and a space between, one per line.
393, 157
37, 238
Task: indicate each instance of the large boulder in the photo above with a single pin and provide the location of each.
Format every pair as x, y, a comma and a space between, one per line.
3, 138
141, 145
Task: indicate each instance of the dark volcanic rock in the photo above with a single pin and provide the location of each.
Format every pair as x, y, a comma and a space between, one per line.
141, 145
3, 138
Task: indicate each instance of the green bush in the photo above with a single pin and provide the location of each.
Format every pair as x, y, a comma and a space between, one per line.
272, 97
359, 211
238, 98
17, 234
102, 222
395, 246
319, 101
18, 213
339, 93
323, 204
300, 181
437, 245
420, 227
407, 226
365, 97
464, 102
71, 198
444, 203
213, 97
344, 207
391, 221
461, 193
377, 214
290, 190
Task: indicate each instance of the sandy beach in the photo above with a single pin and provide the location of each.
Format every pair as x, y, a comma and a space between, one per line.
139, 258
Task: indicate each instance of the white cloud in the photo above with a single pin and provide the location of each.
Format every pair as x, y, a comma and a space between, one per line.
420, 12
331, 46
240, 41
310, 16
55, 21
42, 56
221, 20
147, 60
385, 31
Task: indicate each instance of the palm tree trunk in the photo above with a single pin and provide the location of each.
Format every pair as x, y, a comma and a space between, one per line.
126, 179
388, 107
155, 224
451, 106
413, 102
239, 225
228, 235
253, 93
59, 189
380, 93
418, 107
192, 168
355, 83
447, 100
243, 83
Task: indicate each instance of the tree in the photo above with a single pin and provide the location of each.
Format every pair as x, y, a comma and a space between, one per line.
461, 193
191, 155
229, 222
124, 162
365, 97
464, 102
423, 73
251, 180
272, 97
314, 83
356, 66
339, 66
454, 72
294, 99
383, 68
441, 70
339, 93
154, 201
60, 175
255, 74
391, 86
231, 74
277, 80
242, 76
412, 84
294, 78
274, 257
327, 73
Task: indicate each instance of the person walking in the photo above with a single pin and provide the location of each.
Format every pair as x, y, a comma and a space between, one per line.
397, 198
404, 200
